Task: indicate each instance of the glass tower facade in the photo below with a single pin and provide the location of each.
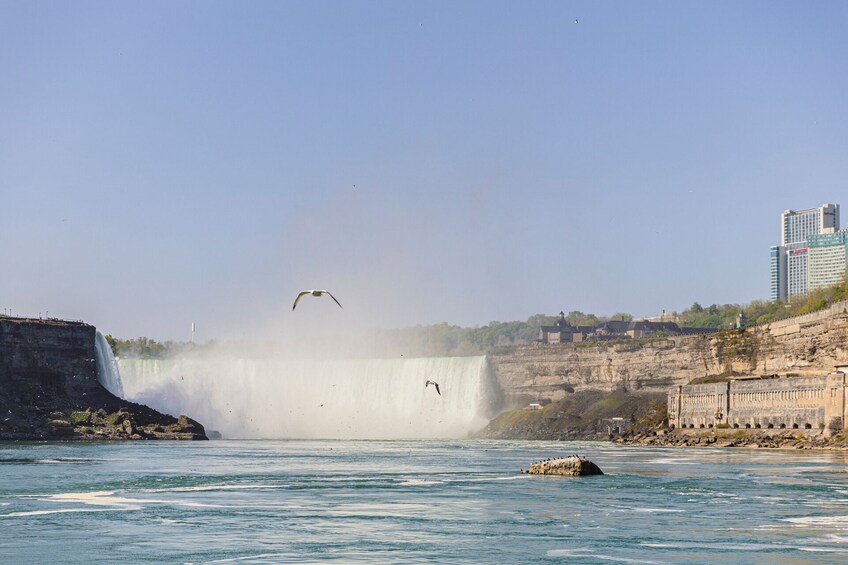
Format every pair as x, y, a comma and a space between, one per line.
778, 273
789, 261
827, 259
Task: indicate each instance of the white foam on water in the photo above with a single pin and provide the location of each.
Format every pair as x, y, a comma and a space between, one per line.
212, 488
583, 552
256, 556
817, 520
754, 547
45, 512
418, 482
670, 461
107, 499
655, 510
96, 498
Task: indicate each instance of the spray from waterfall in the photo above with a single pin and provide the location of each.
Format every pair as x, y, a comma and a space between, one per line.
285, 398
107, 367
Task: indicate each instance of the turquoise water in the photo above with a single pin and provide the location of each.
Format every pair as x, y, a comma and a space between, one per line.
416, 502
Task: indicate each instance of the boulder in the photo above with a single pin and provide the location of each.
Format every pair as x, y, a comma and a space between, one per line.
572, 466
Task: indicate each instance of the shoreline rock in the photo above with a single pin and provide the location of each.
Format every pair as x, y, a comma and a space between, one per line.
737, 438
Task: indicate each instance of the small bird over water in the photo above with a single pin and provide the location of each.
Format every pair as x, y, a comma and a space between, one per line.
314, 293
428, 382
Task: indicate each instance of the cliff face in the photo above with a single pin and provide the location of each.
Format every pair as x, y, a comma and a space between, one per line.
803, 346
49, 389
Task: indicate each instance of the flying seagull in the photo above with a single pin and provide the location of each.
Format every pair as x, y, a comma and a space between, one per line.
428, 382
314, 293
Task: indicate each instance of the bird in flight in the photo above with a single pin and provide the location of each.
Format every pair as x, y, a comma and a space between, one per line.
314, 293
428, 382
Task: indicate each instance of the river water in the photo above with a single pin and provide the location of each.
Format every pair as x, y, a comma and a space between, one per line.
311, 501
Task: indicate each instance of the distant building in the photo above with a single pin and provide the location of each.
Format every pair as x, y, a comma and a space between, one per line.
827, 258
778, 273
613, 328
563, 332
640, 329
796, 272
560, 332
789, 261
797, 225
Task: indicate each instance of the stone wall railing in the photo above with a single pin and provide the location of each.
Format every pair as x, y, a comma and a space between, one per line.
832, 310
788, 402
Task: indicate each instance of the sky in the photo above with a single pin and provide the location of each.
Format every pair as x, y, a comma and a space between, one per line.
163, 163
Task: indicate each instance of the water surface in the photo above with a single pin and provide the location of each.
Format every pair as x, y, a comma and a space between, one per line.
414, 502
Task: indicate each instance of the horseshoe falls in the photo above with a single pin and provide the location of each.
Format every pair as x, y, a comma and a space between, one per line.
353, 399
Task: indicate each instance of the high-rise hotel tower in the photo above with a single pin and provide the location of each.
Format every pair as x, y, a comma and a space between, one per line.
789, 260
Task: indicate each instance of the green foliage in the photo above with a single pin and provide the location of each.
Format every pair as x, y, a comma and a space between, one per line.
113, 344
584, 412
652, 417
81, 417
759, 311
146, 348
578, 318
445, 339
116, 418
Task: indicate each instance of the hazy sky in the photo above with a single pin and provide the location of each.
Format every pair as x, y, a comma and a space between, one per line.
170, 162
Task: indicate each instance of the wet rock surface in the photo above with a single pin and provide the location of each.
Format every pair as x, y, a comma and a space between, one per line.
571, 466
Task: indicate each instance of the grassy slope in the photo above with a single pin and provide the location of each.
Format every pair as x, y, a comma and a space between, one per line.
575, 417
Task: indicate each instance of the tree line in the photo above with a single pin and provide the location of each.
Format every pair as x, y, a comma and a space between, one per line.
452, 340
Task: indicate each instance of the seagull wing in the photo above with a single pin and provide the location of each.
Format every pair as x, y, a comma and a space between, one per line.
435, 384
301, 293
334, 298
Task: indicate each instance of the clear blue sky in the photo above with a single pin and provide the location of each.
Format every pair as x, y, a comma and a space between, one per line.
169, 162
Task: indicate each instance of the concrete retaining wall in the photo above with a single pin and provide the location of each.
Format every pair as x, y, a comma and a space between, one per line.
788, 402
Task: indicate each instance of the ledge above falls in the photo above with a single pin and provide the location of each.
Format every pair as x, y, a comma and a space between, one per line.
49, 389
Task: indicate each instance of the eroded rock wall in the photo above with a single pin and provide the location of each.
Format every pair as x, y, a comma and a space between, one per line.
809, 345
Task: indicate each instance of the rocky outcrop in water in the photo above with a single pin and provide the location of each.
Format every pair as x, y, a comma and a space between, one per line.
571, 466
49, 389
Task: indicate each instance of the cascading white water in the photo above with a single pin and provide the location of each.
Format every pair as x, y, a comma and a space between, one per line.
369, 398
107, 367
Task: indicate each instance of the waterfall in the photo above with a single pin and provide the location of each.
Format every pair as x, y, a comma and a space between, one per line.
366, 398
107, 367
